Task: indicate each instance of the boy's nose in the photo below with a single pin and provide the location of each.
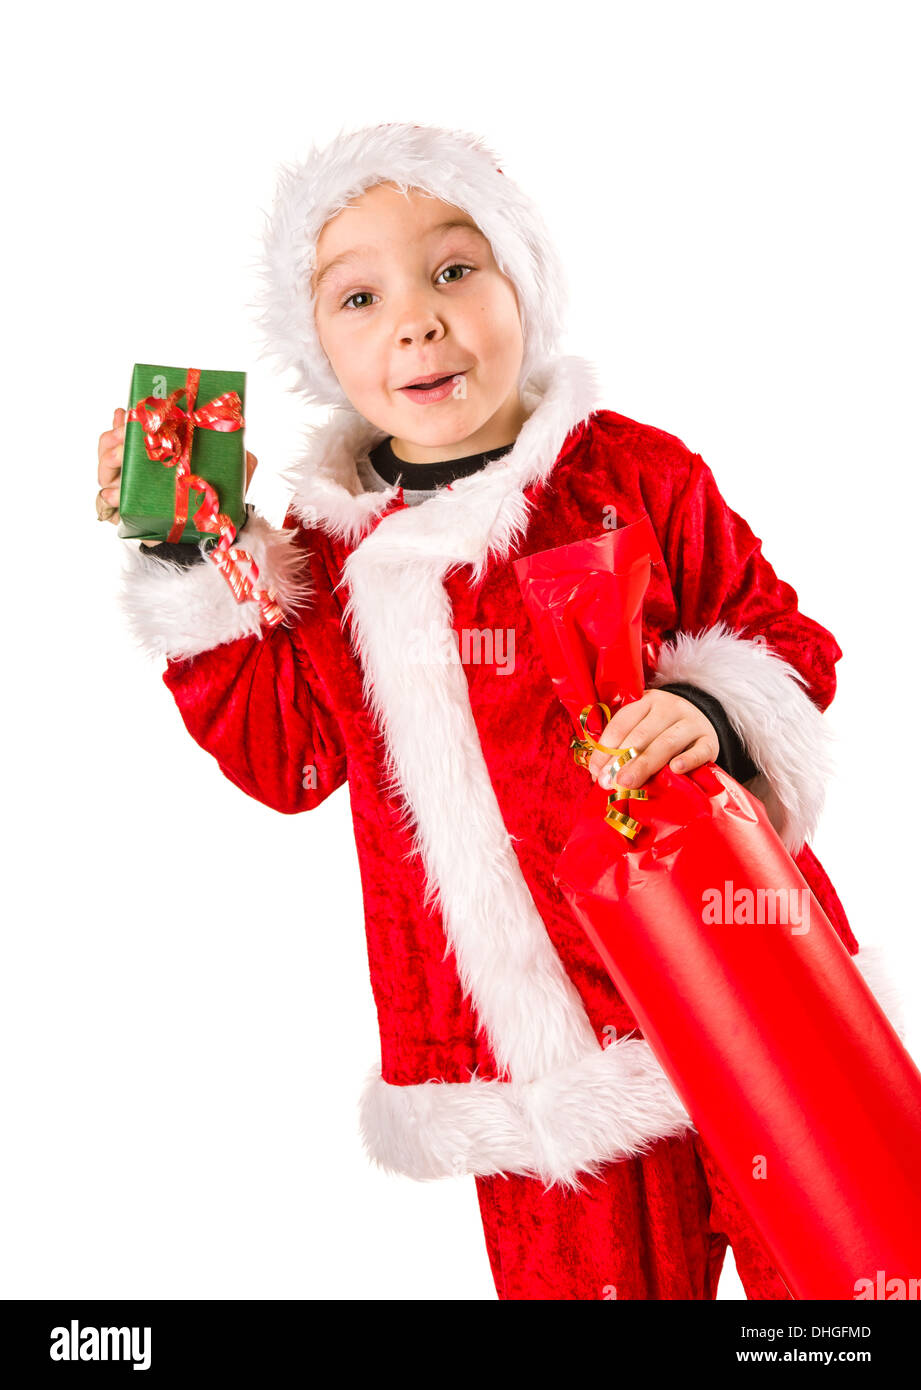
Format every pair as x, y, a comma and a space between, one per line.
409, 338
418, 320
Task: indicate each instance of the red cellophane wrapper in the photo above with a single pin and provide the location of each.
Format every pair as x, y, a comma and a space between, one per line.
791, 1072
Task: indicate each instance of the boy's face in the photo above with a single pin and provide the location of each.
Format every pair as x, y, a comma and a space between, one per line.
412, 299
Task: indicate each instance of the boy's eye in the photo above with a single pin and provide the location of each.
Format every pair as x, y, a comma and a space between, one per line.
356, 295
359, 293
455, 267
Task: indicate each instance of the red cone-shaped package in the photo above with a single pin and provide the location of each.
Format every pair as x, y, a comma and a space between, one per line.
585, 601
790, 1070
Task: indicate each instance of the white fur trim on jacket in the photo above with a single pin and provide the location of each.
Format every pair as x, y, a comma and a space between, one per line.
613, 1103
178, 611
766, 703
398, 606
610, 1105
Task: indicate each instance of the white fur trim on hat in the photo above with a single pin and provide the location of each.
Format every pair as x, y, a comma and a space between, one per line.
453, 166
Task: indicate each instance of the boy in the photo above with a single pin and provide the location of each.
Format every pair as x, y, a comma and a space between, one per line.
461, 439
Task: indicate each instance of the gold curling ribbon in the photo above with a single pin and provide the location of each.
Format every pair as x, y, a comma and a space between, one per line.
582, 751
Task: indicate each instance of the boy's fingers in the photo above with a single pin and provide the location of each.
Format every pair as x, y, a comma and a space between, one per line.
110, 465
107, 507
111, 451
659, 717
705, 749
618, 733
118, 426
110, 498
671, 743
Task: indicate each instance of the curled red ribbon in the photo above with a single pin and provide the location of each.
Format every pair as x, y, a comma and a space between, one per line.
168, 431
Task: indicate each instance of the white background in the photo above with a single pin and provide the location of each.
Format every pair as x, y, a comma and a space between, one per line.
186, 1012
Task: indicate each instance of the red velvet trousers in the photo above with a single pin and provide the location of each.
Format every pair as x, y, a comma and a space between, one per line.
654, 1227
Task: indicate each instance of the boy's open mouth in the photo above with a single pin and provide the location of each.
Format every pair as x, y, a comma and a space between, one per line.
427, 385
430, 383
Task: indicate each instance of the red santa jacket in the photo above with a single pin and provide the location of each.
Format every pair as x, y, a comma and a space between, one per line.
410, 670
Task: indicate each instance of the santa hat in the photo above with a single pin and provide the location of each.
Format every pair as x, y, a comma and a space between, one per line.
455, 167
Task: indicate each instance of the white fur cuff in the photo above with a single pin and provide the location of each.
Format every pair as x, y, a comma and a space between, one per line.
177, 611
615, 1103
612, 1104
766, 703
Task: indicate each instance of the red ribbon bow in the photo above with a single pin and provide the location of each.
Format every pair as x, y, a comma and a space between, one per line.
168, 432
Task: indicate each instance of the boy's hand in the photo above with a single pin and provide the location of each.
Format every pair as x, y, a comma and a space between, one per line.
663, 728
111, 454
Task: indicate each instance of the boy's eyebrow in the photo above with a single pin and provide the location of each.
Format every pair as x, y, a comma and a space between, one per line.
358, 251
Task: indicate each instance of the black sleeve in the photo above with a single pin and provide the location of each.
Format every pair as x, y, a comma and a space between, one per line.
182, 552
733, 755
179, 552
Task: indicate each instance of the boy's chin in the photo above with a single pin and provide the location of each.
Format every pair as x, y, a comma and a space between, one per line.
439, 422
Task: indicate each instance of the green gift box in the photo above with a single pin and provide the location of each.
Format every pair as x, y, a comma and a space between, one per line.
148, 487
